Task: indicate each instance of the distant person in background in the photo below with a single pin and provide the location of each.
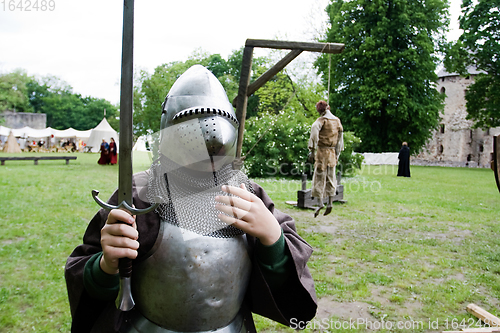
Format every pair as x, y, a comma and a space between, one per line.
104, 159
112, 152
404, 161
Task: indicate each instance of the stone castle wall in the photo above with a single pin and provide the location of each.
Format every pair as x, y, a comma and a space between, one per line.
22, 119
455, 143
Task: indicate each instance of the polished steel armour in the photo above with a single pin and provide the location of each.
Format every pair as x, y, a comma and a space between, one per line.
196, 275
198, 124
192, 283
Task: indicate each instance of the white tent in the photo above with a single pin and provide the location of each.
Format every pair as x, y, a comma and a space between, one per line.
101, 131
4, 131
71, 133
140, 144
28, 132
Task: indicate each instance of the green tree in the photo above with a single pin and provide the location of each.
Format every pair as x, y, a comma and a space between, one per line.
275, 145
217, 65
65, 109
148, 98
259, 66
275, 94
39, 88
93, 112
151, 89
275, 142
478, 47
36, 92
292, 94
61, 109
382, 83
13, 91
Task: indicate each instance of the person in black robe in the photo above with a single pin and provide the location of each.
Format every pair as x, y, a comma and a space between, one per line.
291, 301
404, 161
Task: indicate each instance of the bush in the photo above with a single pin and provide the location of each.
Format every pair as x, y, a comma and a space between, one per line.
275, 145
349, 161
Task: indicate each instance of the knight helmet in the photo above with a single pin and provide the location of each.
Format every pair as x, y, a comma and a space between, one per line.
198, 123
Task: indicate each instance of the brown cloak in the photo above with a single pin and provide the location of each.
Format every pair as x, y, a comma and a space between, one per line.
295, 301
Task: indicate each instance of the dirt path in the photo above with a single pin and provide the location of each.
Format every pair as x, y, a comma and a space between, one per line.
356, 314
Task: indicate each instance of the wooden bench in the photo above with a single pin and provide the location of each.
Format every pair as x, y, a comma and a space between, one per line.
36, 158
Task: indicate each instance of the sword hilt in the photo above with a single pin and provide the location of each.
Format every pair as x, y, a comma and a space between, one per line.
125, 205
124, 301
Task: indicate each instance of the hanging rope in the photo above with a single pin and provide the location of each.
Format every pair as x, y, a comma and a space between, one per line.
329, 71
294, 93
329, 74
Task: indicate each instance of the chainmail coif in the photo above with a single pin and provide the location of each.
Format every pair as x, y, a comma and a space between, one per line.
188, 197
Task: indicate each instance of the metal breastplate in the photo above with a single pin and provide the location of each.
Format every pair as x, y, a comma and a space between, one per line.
140, 324
192, 283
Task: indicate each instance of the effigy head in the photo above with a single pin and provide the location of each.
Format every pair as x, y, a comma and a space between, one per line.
198, 124
321, 107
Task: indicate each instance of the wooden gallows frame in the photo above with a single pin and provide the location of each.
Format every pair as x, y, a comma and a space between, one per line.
246, 89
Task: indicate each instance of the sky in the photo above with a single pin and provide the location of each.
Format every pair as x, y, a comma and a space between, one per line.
80, 41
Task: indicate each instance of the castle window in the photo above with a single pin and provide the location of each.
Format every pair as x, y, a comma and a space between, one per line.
471, 134
441, 149
481, 148
467, 77
441, 128
443, 90
442, 79
469, 158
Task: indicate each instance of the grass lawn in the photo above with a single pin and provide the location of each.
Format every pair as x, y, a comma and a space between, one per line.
401, 250
410, 251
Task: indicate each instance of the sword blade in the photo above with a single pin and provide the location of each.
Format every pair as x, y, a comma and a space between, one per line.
125, 302
126, 99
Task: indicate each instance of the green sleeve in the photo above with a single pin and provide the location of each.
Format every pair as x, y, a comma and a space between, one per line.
99, 284
274, 262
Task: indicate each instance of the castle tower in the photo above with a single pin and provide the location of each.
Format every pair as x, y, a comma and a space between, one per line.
456, 143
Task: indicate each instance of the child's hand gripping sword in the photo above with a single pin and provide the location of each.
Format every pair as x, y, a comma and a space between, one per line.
125, 302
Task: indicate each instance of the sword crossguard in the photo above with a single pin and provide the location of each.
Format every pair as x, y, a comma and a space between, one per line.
125, 301
125, 205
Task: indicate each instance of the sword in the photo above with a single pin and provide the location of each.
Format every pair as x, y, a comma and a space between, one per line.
125, 302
